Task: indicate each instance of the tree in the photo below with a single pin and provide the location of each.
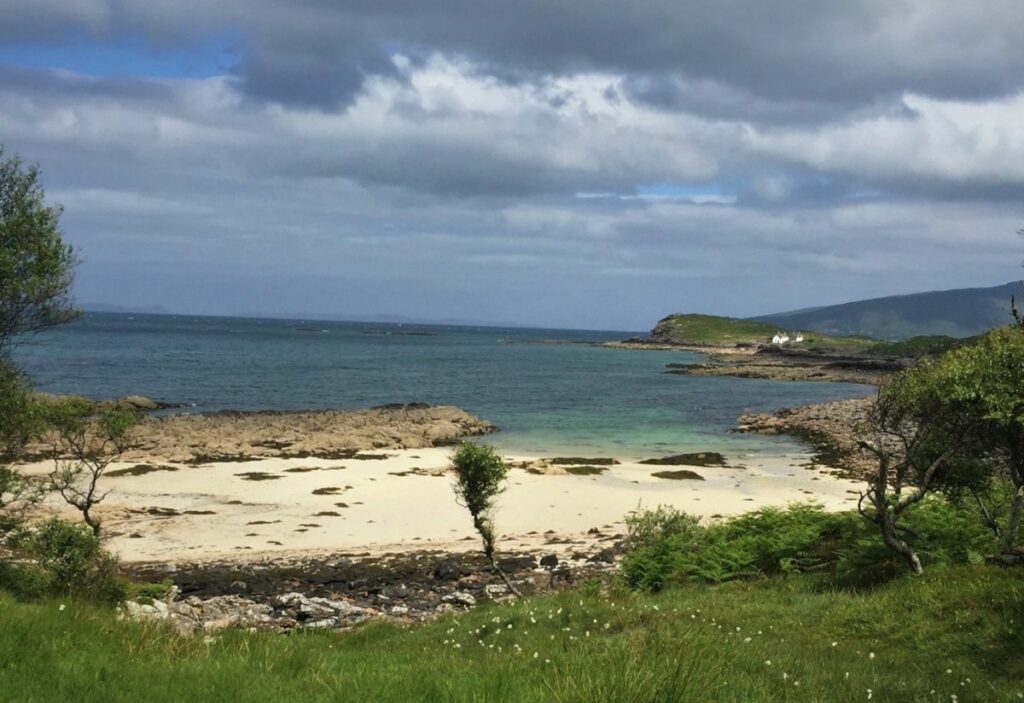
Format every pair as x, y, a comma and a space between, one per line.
480, 476
36, 270
84, 445
953, 425
991, 382
18, 422
36, 266
922, 443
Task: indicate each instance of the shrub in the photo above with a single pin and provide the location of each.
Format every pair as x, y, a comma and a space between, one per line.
61, 559
666, 546
655, 540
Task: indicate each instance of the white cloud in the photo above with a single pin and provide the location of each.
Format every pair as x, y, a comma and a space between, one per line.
447, 183
936, 140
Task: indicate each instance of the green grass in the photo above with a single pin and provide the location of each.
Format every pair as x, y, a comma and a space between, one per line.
829, 342
916, 347
712, 330
955, 631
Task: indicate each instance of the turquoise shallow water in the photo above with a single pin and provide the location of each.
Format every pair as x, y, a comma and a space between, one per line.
546, 398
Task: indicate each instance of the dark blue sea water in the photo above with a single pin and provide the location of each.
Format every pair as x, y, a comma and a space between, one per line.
546, 398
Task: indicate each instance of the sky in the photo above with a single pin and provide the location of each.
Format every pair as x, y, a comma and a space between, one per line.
568, 163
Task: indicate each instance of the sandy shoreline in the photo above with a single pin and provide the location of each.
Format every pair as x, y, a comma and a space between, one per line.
401, 500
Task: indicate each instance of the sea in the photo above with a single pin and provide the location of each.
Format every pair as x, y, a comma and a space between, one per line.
550, 391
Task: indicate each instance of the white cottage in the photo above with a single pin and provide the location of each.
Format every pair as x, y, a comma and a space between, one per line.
780, 338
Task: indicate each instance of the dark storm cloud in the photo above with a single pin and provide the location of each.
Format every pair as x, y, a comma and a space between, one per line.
849, 53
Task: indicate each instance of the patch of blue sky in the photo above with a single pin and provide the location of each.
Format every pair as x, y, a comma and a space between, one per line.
704, 194
129, 56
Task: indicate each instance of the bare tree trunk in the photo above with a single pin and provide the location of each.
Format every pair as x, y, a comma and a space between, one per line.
894, 542
92, 522
987, 517
505, 578
1017, 502
1014, 520
886, 515
487, 536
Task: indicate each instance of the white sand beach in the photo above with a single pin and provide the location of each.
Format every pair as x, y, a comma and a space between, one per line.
404, 501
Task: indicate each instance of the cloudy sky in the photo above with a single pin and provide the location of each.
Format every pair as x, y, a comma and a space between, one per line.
583, 163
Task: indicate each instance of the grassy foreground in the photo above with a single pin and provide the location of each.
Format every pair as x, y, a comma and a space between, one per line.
955, 632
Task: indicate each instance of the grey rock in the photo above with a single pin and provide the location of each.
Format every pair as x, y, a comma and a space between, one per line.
460, 598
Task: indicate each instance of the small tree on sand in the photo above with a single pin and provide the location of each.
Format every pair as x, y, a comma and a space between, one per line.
84, 445
480, 476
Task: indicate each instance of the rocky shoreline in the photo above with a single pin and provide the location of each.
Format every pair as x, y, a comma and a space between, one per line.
338, 592
831, 428
202, 438
769, 363
787, 368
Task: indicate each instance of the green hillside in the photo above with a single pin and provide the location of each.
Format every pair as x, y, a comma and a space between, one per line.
711, 330
955, 313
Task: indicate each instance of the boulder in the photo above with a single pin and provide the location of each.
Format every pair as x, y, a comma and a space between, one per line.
136, 402
461, 598
549, 560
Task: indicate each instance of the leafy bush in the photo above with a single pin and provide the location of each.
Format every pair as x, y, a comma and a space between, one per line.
666, 546
656, 539
62, 559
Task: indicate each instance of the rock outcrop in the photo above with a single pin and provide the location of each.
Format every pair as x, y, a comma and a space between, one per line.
329, 434
833, 428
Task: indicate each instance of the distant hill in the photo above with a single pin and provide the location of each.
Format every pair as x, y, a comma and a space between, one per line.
955, 313
690, 329
695, 330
